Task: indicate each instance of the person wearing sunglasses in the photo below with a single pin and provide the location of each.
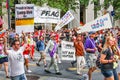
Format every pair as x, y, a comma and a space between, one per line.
16, 60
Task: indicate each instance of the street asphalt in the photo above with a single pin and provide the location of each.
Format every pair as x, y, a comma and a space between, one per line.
68, 72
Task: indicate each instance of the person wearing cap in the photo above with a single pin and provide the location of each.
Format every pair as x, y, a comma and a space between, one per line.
91, 57
51, 48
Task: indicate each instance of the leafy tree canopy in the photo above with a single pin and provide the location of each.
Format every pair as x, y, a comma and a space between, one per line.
65, 5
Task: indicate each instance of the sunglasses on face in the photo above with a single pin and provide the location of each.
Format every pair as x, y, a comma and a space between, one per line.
17, 44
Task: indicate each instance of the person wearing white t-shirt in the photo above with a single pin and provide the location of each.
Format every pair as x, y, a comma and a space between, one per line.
16, 60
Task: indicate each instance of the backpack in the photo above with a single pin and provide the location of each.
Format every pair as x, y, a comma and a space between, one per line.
98, 64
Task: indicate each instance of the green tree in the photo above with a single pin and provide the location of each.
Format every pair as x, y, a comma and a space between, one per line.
106, 4
0, 8
116, 7
64, 5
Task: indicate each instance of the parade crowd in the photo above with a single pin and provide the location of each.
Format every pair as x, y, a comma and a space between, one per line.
16, 49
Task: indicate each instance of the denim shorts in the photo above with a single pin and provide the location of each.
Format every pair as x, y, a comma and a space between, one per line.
2, 60
107, 73
19, 77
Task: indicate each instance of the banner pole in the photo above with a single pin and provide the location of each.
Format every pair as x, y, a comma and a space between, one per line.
92, 43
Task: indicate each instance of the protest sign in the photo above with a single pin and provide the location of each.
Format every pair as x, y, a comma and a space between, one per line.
100, 23
46, 15
67, 51
24, 11
24, 18
68, 17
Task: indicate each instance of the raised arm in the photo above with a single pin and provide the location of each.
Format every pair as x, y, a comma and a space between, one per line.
5, 46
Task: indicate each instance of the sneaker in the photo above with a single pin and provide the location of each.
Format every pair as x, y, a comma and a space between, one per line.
7, 77
29, 71
85, 76
79, 74
45, 65
37, 64
47, 71
58, 73
59, 61
72, 64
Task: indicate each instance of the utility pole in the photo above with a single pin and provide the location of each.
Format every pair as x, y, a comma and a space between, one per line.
9, 19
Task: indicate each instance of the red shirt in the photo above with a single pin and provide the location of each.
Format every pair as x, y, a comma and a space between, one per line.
27, 50
57, 37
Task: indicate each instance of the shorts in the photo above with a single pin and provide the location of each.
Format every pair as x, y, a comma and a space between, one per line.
107, 73
4, 59
91, 60
42, 53
26, 56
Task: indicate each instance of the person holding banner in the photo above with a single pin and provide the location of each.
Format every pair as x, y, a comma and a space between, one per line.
51, 48
79, 48
91, 53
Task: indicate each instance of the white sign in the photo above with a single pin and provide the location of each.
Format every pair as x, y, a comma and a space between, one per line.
24, 28
24, 18
46, 15
100, 23
68, 17
67, 51
24, 11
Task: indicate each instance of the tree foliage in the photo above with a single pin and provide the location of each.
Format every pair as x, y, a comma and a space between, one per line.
106, 4
65, 5
116, 8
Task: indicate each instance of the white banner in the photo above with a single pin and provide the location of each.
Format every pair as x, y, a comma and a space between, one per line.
68, 17
46, 15
100, 23
24, 11
24, 17
67, 51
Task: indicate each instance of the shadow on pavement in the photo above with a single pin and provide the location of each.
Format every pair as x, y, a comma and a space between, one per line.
31, 77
